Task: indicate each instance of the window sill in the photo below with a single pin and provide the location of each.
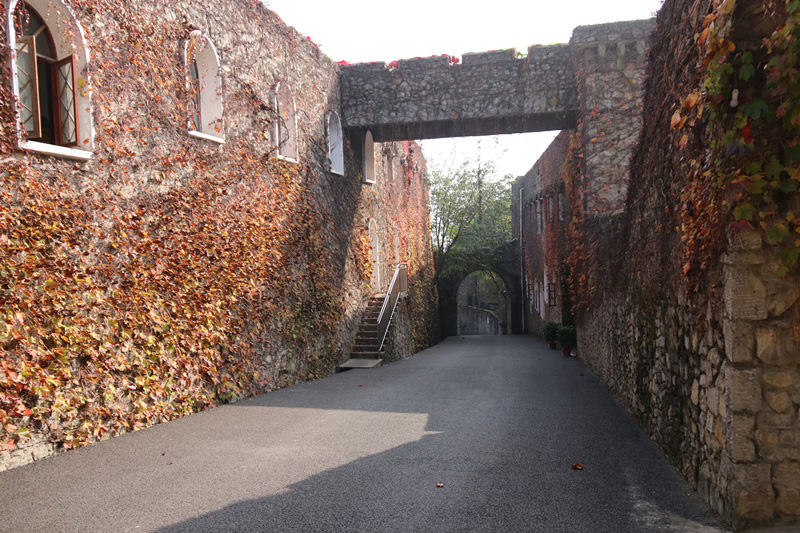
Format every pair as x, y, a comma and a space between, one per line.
55, 150
206, 136
371, 182
287, 159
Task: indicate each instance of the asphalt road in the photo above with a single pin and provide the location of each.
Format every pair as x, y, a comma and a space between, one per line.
496, 421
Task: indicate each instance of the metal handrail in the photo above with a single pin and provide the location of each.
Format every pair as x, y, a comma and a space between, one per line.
398, 287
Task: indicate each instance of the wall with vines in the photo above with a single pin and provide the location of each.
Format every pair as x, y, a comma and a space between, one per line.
170, 274
697, 331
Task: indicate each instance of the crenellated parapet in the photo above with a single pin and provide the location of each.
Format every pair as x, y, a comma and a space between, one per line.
616, 45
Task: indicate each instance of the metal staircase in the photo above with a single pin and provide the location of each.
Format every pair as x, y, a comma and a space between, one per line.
367, 349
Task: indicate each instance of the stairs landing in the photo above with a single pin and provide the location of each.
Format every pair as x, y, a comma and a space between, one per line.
360, 363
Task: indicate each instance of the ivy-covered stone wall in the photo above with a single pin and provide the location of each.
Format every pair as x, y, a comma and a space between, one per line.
170, 273
688, 301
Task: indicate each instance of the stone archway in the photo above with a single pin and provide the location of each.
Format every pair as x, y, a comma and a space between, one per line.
506, 264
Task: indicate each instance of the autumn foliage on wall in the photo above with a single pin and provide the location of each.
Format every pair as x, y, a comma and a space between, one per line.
401, 191
170, 273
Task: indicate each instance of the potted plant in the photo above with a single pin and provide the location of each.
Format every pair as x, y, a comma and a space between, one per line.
550, 333
567, 338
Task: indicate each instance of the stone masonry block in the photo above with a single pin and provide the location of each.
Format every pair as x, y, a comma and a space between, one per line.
739, 341
767, 437
755, 499
746, 240
770, 419
742, 448
743, 389
781, 379
782, 295
775, 347
483, 58
424, 62
780, 402
790, 437
745, 294
787, 485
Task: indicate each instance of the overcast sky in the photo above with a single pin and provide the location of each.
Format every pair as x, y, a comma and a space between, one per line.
365, 30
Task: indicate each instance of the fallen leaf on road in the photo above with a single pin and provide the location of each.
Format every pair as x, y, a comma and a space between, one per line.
577, 466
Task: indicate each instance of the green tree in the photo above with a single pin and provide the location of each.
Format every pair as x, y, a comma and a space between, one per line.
470, 215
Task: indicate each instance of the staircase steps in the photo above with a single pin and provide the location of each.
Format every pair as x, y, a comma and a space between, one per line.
366, 352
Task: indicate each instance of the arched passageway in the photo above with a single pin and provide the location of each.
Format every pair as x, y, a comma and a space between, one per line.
503, 263
483, 304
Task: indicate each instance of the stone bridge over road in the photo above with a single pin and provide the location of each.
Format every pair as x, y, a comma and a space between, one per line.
487, 93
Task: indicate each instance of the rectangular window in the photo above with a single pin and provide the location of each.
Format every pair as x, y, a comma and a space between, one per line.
561, 206
551, 294
194, 99
27, 74
66, 103
51, 96
551, 209
539, 217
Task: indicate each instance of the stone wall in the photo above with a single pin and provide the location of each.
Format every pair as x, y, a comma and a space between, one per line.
609, 62
505, 263
761, 328
704, 357
171, 272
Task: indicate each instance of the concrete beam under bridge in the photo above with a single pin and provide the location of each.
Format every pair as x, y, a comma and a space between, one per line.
470, 127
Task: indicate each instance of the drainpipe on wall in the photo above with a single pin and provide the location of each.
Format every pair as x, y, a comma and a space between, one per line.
522, 259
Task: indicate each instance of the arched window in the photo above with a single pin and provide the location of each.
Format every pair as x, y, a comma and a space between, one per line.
335, 144
369, 158
54, 101
204, 87
286, 127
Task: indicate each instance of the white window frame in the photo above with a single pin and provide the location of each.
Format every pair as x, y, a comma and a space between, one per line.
292, 158
335, 144
369, 158
204, 55
69, 38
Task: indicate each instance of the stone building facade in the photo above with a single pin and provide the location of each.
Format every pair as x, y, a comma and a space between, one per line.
608, 62
185, 218
540, 219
